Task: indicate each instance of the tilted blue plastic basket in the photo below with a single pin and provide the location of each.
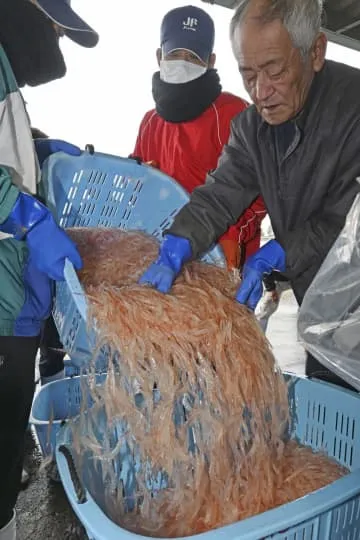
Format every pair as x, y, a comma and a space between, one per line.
324, 417
54, 403
99, 190
71, 370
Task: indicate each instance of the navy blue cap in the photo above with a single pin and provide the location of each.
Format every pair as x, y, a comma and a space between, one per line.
60, 12
189, 28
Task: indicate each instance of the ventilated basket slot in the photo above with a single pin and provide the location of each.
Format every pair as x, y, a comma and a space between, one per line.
71, 335
74, 397
343, 452
327, 429
67, 209
165, 224
72, 193
308, 531
345, 438
77, 178
346, 521
315, 426
347, 518
96, 177
120, 182
345, 425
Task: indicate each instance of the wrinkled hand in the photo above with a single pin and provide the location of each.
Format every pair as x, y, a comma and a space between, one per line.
46, 147
173, 254
152, 163
268, 258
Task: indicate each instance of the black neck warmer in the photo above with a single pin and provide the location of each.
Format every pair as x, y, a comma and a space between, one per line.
184, 102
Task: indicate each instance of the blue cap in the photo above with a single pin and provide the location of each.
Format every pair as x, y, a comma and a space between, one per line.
189, 28
60, 12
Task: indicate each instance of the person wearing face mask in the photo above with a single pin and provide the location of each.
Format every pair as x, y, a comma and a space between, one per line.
33, 249
185, 133
297, 146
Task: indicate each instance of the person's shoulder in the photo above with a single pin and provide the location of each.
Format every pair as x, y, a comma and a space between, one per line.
343, 71
249, 119
148, 119
149, 114
230, 107
226, 100
340, 91
342, 77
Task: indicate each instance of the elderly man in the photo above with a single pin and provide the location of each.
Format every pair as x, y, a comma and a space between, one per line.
297, 146
33, 249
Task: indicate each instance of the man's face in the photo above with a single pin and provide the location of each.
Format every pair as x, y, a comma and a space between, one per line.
275, 74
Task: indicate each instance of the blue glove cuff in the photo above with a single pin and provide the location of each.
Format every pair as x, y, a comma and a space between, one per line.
174, 252
26, 213
251, 289
48, 244
270, 257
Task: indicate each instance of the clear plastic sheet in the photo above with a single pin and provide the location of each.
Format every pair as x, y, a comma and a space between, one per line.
329, 318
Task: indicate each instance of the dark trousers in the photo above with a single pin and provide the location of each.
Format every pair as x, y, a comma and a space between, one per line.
51, 355
17, 368
315, 370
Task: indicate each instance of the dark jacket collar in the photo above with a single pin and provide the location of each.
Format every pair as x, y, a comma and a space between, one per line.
313, 98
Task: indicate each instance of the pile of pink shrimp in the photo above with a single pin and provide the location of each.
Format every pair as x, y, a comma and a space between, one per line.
202, 352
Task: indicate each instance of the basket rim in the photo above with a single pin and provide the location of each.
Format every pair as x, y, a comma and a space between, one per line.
273, 521
65, 381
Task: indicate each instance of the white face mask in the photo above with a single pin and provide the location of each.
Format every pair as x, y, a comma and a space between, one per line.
180, 71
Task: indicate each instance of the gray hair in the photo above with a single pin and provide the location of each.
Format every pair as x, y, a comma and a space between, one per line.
301, 18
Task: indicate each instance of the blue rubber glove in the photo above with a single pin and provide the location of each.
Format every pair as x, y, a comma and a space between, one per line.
174, 253
48, 245
268, 258
45, 147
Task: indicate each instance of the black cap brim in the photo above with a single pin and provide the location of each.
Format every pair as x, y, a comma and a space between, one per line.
73, 25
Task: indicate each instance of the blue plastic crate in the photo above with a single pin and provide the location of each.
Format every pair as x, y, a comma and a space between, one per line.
105, 191
70, 369
54, 403
324, 417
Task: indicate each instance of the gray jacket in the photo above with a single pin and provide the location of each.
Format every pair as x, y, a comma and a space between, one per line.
305, 170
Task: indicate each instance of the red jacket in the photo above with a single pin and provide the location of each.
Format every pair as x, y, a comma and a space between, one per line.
187, 151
